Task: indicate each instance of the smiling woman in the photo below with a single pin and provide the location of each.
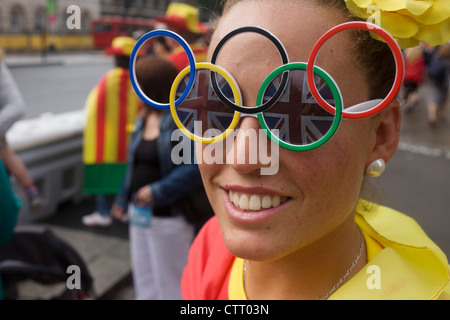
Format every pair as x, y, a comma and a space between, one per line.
304, 232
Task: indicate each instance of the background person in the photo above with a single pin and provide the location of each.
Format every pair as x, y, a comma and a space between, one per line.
9, 211
438, 75
12, 108
160, 235
316, 238
111, 110
183, 19
414, 76
161, 48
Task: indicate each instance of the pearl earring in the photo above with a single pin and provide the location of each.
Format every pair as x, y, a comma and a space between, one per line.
376, 168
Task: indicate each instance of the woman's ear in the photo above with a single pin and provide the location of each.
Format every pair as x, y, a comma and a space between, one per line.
387, 131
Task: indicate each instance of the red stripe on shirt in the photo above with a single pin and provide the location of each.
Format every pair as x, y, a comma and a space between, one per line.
101, 110
122, 129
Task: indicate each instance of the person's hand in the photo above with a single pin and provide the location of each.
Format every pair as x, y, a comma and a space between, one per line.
118, 212
144, 196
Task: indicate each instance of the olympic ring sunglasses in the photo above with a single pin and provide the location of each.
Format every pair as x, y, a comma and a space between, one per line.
299, 105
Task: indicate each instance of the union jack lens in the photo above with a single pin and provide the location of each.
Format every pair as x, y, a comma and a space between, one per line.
202, 113
296, 116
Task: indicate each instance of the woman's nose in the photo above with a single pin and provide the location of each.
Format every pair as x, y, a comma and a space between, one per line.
250, 149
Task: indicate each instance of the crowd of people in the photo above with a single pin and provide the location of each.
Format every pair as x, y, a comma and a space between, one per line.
134, 179
429, 68
303, 232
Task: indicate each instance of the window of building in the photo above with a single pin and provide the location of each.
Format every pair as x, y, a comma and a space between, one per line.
16, 21
86, 23
39, 21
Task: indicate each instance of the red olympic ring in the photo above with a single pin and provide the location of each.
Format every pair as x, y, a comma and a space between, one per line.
399, 62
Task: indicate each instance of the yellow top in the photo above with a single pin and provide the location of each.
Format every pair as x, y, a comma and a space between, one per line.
409, 265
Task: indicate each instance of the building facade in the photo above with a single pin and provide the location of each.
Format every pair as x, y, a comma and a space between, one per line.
134, 8
25, 23
29, 17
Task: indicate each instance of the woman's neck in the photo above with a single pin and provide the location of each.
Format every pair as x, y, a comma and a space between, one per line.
152, 122
311, 272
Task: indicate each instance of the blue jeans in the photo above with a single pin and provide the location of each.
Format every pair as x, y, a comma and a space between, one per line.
104, 203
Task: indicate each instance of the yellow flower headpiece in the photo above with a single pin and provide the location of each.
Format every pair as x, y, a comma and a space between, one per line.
408, 21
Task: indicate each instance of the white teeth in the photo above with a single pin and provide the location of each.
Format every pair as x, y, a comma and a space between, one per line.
243, 202
266, 202
255, 202
276, 201
235, 198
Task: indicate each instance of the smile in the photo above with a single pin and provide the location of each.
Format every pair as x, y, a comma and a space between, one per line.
255, 202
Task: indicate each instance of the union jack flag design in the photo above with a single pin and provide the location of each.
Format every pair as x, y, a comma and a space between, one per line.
297, 116
202, 104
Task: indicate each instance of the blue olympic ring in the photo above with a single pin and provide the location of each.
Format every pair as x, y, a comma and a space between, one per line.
132, 67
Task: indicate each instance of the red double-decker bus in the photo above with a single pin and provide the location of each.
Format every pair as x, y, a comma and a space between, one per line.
106, 28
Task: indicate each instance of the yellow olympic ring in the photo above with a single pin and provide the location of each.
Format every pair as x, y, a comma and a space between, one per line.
236, 94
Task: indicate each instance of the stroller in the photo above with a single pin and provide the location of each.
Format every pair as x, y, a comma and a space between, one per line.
41, 256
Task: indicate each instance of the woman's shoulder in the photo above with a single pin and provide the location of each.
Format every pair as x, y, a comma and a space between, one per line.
410, 264
393, 226
209, 264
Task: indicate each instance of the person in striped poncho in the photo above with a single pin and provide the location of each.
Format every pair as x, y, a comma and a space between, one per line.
111, 108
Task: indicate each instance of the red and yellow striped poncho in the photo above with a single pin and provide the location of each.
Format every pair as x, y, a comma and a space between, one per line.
180, 59
111, 108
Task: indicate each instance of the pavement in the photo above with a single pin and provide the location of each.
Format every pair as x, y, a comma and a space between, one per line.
34, 59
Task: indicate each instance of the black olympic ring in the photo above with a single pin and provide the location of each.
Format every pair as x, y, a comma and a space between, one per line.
284, 58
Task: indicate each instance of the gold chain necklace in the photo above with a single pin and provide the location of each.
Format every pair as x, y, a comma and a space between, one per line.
329, 293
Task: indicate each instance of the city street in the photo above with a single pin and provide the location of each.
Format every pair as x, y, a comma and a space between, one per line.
416, 181
59, 83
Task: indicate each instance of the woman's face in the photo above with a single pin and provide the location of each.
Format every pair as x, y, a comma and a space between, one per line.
313, 192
